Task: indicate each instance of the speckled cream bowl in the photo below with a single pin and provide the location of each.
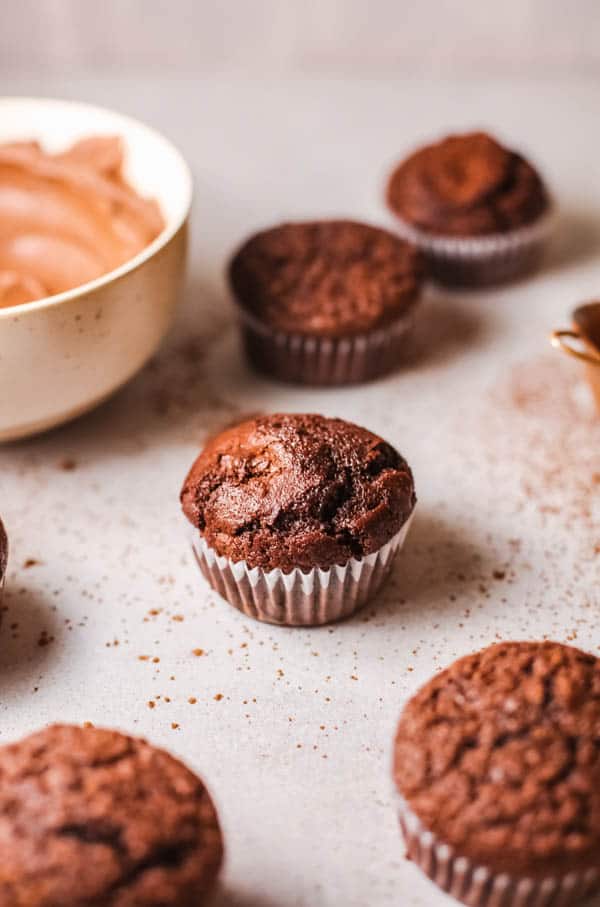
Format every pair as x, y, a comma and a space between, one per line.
63, 355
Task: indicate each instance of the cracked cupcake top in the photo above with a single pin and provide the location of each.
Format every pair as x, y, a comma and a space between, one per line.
331, 278
499, 756
285, 491
92, 817
466, 185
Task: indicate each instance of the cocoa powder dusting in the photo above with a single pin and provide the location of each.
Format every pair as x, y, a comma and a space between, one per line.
540, 430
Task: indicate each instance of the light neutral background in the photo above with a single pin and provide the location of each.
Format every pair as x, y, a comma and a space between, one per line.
292, 729
536, 37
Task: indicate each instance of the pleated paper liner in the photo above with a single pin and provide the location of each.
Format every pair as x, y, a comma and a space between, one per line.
476, 885
314, 360
298, 599
485, 260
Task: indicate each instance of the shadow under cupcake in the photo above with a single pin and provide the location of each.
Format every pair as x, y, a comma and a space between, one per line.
296, 518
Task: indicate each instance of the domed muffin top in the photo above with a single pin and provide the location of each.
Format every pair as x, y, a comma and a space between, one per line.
90, 816
499, 756
286, 491
330, 278
466, 185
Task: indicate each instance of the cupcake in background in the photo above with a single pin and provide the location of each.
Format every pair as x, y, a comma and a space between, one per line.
480, 212
497, 768
326, 302
296, 518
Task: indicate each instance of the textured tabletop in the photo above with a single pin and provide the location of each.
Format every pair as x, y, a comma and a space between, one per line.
108, 619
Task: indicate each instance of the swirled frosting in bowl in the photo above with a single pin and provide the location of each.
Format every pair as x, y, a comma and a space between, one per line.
67, 218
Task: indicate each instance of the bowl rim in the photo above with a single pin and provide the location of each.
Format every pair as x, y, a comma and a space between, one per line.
155, 246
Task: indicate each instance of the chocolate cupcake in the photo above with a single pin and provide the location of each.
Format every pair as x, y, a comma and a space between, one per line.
90, 816
497, 765
480, 212
297, 517
3, 555
327, 302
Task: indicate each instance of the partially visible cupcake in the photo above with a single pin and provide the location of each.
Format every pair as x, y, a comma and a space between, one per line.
3, 555
325, 302
480, 212
497, 767
297, 517
92, 817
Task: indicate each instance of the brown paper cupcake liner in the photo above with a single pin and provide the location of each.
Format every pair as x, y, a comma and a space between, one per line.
484, 260
310, 359
298, 599
476, 885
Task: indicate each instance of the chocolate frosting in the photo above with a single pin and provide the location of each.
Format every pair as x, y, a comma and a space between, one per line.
466, 185
90, 816
499, 756
67, 218
331, 278
298, 491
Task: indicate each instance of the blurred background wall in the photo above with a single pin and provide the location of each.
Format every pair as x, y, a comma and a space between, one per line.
421, 37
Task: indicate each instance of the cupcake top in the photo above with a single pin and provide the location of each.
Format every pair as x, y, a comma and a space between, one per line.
286, 491
90, 816
499, 757
3, 551
466, 185
331, 278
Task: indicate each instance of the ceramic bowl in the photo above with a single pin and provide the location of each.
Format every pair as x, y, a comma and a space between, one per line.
582, 341
63, 355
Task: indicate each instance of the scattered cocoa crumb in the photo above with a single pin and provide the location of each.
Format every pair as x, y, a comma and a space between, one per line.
45, 639
218, 697
30, 562
174, 725
192, 700
198, 652
151, 704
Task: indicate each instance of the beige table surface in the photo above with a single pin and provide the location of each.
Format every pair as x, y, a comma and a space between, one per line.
499, 431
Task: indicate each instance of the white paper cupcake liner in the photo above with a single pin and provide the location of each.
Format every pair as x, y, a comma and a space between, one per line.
310, 359
484, 260
298, 599
476, 885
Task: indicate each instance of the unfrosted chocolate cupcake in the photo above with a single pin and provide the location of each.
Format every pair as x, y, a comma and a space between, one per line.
296, 517
90, 816
497, 765
325, 302
479, 211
